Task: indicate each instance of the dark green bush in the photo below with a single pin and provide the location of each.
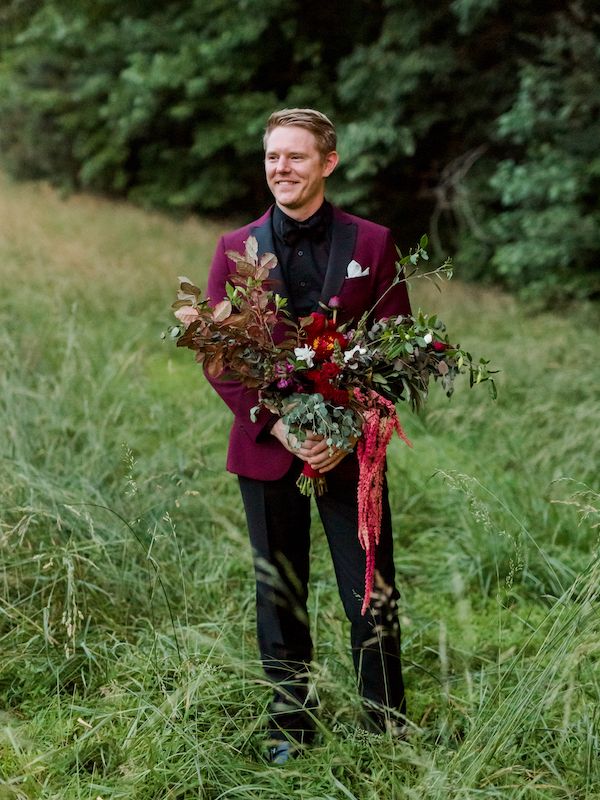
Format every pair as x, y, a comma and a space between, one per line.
474, 119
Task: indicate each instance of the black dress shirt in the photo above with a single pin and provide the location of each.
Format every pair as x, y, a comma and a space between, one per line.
302, 249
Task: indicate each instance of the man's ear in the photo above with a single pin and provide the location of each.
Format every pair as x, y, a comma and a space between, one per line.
330, 162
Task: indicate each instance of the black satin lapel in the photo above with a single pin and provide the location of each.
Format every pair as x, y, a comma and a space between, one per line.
264, 237
343, 241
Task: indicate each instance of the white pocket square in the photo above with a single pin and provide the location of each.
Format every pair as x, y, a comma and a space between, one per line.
354, 270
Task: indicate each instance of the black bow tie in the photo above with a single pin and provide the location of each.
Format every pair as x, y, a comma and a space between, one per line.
292, 232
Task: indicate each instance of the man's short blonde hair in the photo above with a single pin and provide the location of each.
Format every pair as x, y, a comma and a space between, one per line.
318, 124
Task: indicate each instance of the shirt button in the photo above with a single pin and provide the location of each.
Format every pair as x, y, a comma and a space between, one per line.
300, 252
303, 284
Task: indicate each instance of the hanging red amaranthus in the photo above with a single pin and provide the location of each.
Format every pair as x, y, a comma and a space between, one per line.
380, 422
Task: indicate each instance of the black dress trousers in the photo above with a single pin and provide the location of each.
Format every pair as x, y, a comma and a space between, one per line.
278, 518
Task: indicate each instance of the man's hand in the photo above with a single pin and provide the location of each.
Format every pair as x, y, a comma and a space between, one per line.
313, 449
301, 449
324, 458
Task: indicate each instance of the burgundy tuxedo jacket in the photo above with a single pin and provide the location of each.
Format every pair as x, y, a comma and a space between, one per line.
253, 452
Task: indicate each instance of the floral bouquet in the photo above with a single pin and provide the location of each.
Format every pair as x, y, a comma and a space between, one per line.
340, 382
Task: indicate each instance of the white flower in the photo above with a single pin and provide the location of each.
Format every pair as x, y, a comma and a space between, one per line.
306, 354
428, 338
354, 270
349, 354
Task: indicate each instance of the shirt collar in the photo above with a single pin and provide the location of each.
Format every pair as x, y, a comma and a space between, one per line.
282, 223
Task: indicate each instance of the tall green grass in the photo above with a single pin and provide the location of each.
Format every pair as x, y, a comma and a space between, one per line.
128, 666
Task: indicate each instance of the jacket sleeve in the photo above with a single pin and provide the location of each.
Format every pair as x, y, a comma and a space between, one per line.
394, 300
239, 398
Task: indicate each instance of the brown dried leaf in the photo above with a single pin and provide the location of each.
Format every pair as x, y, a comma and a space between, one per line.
268, 261
189, 288
442, 368
222, 310
252, 249
245, 268
190, 299
215, 366
187, 339
242, 264
235, 256
180, 303
239, 320
254, 332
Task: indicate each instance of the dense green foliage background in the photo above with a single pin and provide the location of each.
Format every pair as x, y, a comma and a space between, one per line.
476, 120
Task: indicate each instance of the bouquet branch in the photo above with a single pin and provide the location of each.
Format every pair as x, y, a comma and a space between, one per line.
339, 383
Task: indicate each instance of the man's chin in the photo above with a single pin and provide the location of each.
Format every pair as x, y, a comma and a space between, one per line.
288, 202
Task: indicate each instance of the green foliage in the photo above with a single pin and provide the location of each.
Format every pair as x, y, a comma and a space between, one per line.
546, 237
155, 101
509, 112
421, 99
474, 119
127, 103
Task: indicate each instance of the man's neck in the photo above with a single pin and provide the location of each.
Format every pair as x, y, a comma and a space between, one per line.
301, 215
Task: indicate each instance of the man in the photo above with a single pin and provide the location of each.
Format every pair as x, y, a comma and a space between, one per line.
321, 252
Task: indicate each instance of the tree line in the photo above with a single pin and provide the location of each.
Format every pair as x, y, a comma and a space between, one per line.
475, 120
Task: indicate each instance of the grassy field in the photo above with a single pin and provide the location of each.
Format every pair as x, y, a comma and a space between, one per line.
128, 666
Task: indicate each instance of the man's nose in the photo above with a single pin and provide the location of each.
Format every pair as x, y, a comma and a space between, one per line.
283, 164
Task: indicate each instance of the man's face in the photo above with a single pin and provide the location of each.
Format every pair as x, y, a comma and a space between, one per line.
296, 170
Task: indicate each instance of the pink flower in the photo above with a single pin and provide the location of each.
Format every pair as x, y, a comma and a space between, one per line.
187, 314
334, 302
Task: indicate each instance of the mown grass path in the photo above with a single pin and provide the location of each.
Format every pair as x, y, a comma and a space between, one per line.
127, 654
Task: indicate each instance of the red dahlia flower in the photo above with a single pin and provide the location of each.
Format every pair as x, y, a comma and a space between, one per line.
317, 326
321, 336
329, 370
324, 344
